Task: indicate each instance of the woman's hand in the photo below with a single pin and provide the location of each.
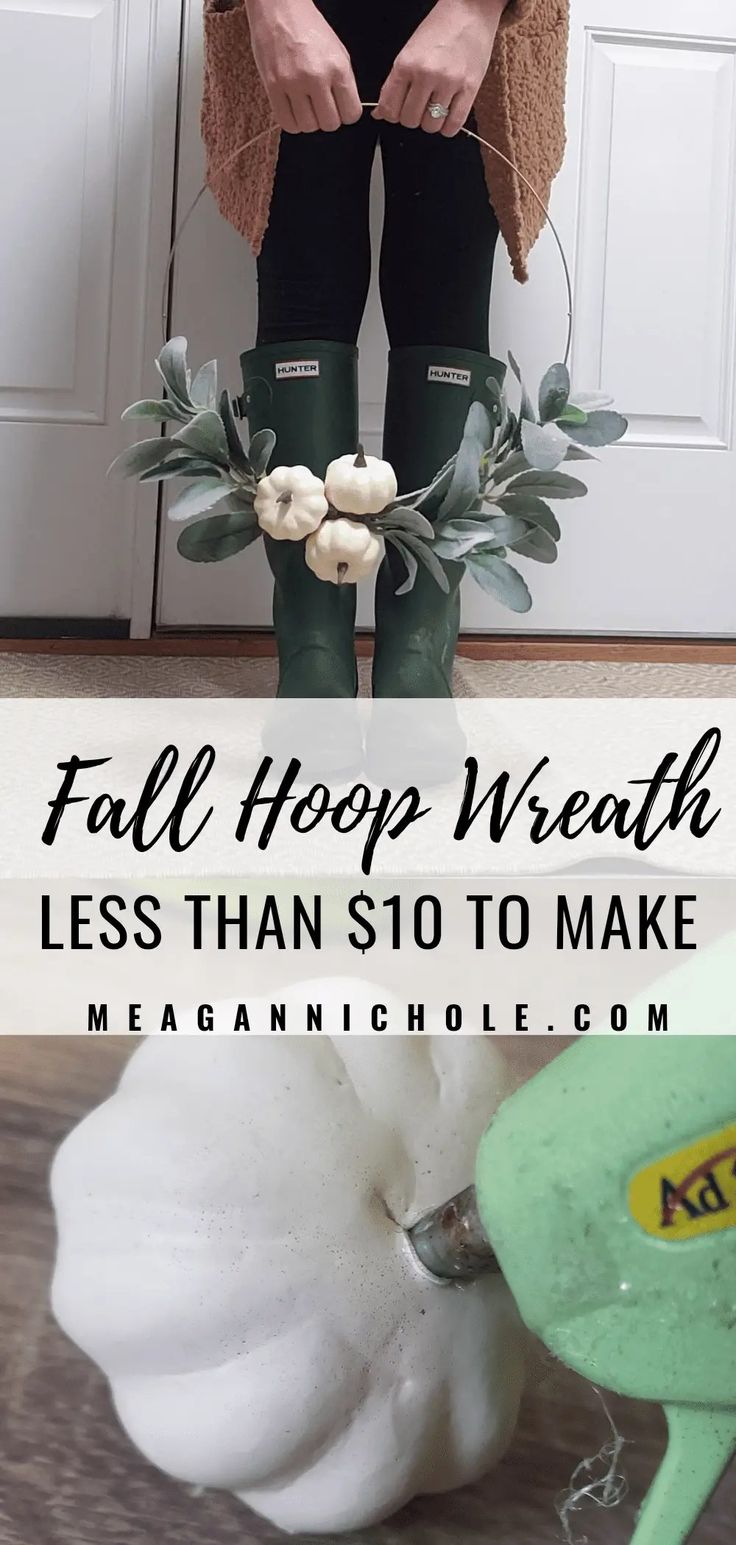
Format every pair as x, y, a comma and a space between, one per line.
444, 61
304, 67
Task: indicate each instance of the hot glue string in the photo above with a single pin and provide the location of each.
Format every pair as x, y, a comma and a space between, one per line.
274, 129
604, 1486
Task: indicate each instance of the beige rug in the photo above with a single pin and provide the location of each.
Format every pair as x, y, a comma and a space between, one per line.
115, 676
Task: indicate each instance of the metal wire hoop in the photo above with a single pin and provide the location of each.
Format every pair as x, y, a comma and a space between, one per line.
274, 129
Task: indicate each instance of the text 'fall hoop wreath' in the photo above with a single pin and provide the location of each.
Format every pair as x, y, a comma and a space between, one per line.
492, 498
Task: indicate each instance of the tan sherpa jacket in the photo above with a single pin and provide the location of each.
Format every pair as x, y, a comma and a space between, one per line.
519, 109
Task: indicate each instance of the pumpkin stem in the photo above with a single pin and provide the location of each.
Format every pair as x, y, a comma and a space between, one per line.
286, 497
360, 460
342, 569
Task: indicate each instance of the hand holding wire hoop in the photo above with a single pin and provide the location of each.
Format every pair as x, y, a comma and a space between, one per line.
274, 129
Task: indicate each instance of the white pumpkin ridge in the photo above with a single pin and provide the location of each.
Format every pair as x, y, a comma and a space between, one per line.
232, 1252
290, 503
344, 551
360, 485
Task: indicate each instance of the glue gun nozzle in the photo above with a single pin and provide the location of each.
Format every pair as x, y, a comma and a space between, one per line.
450, 1241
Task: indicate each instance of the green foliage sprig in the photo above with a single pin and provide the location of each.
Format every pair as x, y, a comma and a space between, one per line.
492, 498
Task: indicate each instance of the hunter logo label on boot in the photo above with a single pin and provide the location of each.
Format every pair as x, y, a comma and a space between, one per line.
449, 375
689, 1193
296, 369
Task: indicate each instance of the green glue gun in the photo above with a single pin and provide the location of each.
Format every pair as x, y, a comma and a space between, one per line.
606, 1192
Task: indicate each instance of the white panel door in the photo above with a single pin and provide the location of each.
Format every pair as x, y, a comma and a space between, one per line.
646, 205
88, 92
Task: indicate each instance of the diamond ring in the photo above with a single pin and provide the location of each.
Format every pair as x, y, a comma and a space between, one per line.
436, 110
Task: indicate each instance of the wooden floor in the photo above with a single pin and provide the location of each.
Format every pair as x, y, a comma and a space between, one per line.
259, 645
68, 1475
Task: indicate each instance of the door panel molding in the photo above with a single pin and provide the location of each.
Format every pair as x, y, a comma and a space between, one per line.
88, 103
61, 122
676, 99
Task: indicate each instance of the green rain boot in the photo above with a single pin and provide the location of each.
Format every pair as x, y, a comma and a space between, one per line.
428, 396
307, 393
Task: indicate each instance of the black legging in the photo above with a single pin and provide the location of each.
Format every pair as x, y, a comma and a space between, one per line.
439, 231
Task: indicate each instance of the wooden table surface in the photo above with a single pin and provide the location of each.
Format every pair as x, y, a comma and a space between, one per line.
68, 1475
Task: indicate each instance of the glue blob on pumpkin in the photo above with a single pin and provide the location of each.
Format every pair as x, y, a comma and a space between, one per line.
232, 1252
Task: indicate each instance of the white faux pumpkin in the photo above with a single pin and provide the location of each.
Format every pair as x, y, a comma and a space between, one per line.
290, 503
360, 485
343, 551
232, 1253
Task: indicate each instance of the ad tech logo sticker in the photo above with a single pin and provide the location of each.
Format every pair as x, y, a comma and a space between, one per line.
690, 1192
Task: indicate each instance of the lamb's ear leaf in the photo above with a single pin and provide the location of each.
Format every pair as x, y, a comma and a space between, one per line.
494, 388
217, 537
423, 552
461, 525
508, 434
511, 467
496, 400
453, 542
203, 390
478, 425
238, 458
406, 519
526, 410
197, 497
539, 545
554, 393
545, 446
151, 408
572, 415
476, 514
578, 453
260, 451
507, 530
241, 501
547, 485
409, 561
466, 476
465, 483
602, 428
459, 537
427, 499
179, 466
499, 579
139, 458
172, 367
205, 434
531, 508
